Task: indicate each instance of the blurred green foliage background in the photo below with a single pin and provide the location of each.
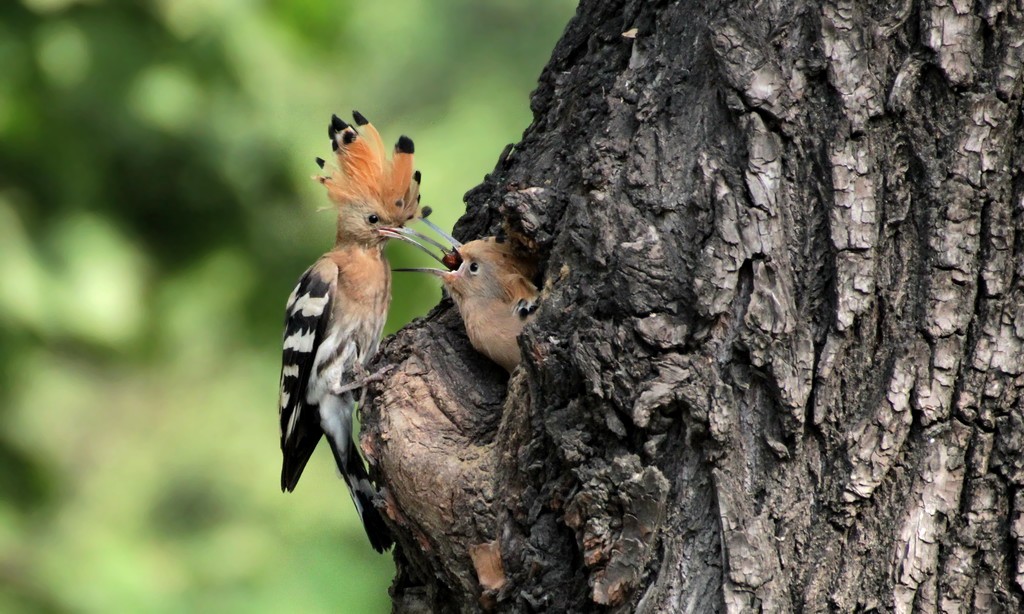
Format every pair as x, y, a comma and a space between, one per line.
156, 209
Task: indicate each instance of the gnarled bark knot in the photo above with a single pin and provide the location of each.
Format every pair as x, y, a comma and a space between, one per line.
430, 438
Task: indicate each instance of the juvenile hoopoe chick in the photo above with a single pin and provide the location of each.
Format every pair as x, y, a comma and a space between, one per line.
334, 316
492, 289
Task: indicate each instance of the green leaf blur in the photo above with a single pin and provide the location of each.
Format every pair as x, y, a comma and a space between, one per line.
156, 209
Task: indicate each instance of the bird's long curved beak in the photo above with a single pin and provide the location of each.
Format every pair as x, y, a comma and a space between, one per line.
412, 234
429, 271
444, 235
451, 258
396, 233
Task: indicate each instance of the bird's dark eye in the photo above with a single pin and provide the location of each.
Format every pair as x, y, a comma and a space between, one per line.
373, 219
474, 267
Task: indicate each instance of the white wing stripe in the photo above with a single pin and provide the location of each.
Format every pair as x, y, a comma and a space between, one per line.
300, 341
309, 305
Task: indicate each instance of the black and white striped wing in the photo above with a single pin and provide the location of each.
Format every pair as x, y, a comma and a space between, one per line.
307, 317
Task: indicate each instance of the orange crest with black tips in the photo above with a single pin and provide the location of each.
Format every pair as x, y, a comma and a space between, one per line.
365, 173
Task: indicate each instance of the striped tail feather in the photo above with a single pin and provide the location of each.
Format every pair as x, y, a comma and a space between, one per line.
336, 422
362, 494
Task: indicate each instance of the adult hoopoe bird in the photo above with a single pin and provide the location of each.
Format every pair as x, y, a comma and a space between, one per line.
492, 290
334, 317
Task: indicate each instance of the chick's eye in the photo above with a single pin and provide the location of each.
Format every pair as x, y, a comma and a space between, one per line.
373, 219
474, 267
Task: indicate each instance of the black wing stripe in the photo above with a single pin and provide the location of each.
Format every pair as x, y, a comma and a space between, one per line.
307, 315
304, 323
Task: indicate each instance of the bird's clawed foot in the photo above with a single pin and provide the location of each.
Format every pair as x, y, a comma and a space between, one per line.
362, 378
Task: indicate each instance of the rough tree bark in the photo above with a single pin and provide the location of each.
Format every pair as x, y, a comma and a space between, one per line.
777, 366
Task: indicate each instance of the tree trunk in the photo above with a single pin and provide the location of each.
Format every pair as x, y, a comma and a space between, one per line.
778, 361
